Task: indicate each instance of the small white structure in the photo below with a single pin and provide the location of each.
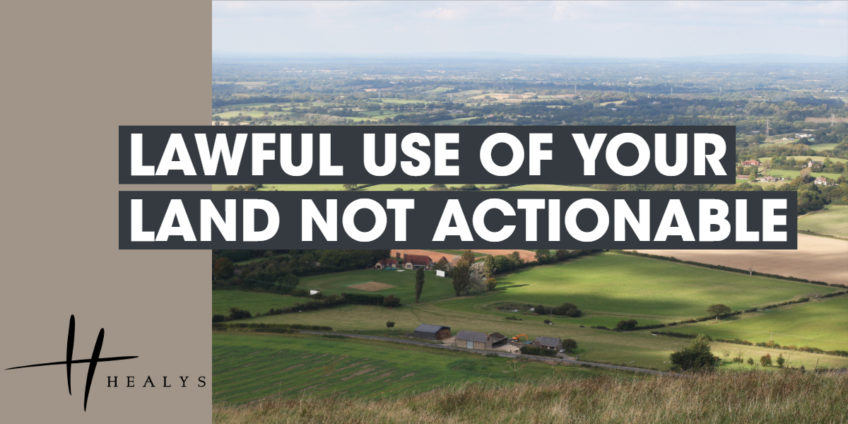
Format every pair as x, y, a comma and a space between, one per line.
313, 292
440, 273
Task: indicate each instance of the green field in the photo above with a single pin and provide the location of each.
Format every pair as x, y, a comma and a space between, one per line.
302, 187
607, 287
804, 158
408, 187
822, 324
638, 348
255, 302
791, 173
250, 366
548, 187
404, 282
612, 286
831, 221
822, 147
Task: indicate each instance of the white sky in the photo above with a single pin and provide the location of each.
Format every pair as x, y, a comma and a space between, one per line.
564, 29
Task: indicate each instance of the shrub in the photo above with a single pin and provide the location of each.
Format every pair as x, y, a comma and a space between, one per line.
780, 361
718, 310
362, 299
236, 313
390, 324
535, 350
695, 357
567, 309
391, 301
765, 360
569, 345
750, 361
219, 318
626, 325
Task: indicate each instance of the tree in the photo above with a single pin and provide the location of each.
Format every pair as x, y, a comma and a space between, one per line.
443, 264
489, 266
626, 325
391, 301
695, 357
390, 324
569, 345
718, 310
780, 361
567, 309
462, 273
765, 360
222, 268
543, 256
285, 284
750, 361
419, 283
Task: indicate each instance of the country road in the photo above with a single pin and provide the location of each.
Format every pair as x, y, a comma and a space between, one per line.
490, 352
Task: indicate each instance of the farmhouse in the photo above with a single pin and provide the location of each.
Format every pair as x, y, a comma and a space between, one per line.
821, 181
549, 343
473, 340
432, 332
387, 263
751, 162
417, 261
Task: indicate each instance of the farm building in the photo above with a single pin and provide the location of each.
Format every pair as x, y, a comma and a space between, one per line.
432, 332
417, 261
751, 162
549, 343
473, 340
387, 263
497, 339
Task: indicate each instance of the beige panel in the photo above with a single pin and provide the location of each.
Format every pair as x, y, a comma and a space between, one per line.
72, 72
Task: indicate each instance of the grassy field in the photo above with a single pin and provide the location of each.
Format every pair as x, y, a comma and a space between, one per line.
638, 348
822, 324
782, 398
548, 187
410, 187
832, 221
406, 187
791, 173
612, 286
822, 147
249, 366
302, 187
813, 157
404, 282
256, 303
607, 288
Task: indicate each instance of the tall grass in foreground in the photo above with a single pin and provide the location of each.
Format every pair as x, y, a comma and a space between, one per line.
754, 397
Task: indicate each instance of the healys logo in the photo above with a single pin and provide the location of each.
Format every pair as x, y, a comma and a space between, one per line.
69, 361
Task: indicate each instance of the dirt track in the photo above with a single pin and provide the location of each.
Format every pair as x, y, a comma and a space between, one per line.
817, 258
